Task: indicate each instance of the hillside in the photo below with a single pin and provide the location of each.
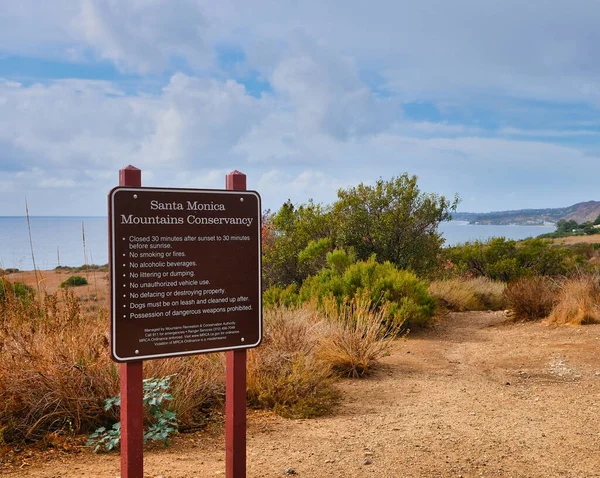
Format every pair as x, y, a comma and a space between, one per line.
580, 212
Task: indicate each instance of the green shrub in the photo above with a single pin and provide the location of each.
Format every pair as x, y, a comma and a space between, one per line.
276, 296
505, 260
15, 289
407, 296
74, 281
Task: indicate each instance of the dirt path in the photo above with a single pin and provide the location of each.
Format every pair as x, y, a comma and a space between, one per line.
473, 397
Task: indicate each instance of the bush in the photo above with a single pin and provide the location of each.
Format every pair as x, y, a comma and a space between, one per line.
393, 220
284, 373
531, 298
17, 290
578, 302
357, 337
276, 296
74, 281
505, 260
461, 294
409, 303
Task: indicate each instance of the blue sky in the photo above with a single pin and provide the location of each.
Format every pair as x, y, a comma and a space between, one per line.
497, 101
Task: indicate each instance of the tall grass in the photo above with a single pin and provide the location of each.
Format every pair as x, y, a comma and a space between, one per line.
578, 301
55, 370
462, 294
285, 373
357, 335
531, 298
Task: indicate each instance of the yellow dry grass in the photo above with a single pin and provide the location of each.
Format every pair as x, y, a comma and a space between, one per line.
593, 239
461, 294
578, 302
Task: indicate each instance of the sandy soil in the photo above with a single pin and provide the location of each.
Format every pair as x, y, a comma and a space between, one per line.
475, 396
49, 281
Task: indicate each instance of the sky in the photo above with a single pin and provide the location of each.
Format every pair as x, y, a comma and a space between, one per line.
497, 101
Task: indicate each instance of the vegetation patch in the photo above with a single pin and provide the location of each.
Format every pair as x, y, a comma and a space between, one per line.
74, 281
285, 374
357, 336
578, 302
531, 298
461, 294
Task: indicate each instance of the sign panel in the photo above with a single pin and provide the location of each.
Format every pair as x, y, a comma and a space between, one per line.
185, 271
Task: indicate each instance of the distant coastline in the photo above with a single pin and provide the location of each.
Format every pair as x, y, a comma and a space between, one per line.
58, 240
580, 212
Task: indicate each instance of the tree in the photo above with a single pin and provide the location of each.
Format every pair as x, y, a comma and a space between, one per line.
292, 231
393, 220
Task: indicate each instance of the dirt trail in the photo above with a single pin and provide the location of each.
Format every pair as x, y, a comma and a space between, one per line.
473, 397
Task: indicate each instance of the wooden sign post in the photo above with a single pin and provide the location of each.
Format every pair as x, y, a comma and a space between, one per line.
185, 268
235, 392
131, 373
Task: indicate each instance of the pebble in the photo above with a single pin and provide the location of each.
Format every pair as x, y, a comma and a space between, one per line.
290, 471
367, 462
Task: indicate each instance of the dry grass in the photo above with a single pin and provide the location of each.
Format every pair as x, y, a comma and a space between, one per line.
55, 370
578, 302
50, 378
285, 373
531, 298
460, 294
356, 336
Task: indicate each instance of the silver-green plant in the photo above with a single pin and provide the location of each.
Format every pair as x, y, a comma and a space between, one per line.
155, 397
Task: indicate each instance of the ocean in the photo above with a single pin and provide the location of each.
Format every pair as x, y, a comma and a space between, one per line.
60, 240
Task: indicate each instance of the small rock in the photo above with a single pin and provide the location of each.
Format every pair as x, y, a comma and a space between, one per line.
290, 471
367, 462
368, 453
507, 383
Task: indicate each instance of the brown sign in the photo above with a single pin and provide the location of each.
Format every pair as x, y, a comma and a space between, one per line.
185, 271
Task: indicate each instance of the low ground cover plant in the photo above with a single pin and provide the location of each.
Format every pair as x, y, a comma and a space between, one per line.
155, 398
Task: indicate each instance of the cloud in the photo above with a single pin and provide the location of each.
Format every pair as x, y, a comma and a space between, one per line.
328, 95
332, 110
144, 35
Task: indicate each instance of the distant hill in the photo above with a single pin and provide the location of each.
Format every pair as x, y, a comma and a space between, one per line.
580, 212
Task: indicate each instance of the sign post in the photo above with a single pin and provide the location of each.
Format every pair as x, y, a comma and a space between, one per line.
132, 413
235, 391
185, 269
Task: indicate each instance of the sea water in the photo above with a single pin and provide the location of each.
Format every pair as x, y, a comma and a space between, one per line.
74, 241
